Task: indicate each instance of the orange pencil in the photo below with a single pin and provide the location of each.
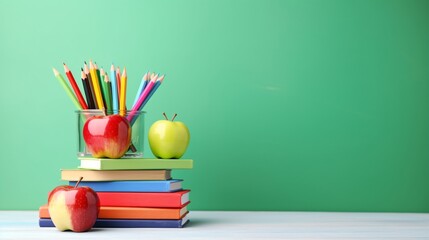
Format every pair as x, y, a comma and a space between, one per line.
75, 87
123, 94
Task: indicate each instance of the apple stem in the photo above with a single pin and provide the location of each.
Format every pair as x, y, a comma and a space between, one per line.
78, 182
174, 117
166, 118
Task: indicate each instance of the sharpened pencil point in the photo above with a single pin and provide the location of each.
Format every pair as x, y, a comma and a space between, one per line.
161, 78
124, 72
154, 78
66, 69
55, 72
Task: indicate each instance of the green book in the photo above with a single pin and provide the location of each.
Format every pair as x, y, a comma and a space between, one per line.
134, 163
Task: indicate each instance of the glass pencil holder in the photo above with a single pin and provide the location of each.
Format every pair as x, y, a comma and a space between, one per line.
134, 118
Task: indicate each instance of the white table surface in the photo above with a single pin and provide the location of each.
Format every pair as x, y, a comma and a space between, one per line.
240, 225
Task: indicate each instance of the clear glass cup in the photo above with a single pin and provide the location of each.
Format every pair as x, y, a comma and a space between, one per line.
137, 132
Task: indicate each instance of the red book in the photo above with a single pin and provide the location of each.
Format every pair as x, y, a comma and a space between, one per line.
144, 199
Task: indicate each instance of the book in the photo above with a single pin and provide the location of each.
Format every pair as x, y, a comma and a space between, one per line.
144, 199
129, 223
131, 212
133, 186
112, 175
134, 163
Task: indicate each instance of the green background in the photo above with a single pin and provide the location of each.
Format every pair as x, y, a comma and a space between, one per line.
292, 105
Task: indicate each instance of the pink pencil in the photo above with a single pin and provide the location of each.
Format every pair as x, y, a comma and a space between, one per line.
142, 97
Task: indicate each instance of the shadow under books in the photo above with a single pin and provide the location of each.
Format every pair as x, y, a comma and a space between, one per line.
199, 222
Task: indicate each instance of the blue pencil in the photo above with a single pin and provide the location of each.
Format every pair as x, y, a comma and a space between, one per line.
143, 84
113, 79
157, 84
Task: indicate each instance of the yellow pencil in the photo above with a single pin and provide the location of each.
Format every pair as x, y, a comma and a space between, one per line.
96, 84
123, 93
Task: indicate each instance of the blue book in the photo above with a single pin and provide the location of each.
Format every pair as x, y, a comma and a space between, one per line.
133, 186
126, 223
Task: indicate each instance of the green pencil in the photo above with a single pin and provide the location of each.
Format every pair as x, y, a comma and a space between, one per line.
67, 88
107, 95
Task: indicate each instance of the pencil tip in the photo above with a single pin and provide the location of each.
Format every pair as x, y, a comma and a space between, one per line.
155, 78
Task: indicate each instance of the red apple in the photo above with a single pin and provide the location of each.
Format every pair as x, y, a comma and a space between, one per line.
107, 136
73, 208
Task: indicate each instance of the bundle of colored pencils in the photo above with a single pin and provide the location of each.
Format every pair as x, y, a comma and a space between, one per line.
108, 92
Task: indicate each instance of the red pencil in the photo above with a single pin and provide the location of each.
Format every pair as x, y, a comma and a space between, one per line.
75, 87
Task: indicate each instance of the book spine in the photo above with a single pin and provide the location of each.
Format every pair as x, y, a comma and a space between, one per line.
134, 164
142, 199
113, 223
128, 213
118, 223
140, 213
127, 186
126, 175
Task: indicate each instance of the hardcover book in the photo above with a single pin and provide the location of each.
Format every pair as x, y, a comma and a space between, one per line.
131, 213
132, 186
114, 175
128, 223
144, 199
134, 163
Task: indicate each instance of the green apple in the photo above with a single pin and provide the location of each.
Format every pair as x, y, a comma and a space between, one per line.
168, 139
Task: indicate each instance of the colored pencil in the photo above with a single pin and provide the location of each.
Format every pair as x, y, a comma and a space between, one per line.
131, 117
155, 87
101, 82
91, 87
114, 81
142, 86
118, 81
123, 95
87, 89
75, 87
106, 90
96, 85
67, 88
109, 91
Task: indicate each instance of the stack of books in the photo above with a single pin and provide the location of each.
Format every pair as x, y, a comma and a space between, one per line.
133, 192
